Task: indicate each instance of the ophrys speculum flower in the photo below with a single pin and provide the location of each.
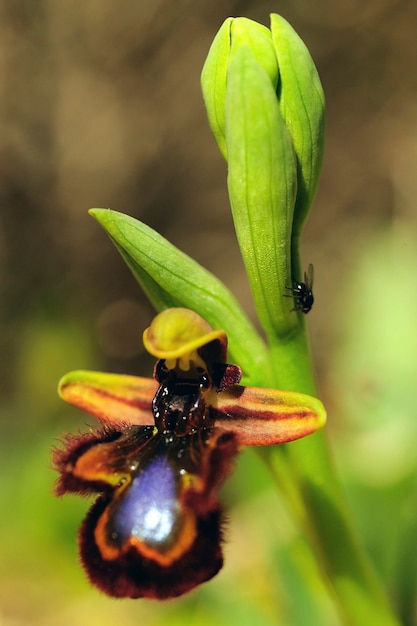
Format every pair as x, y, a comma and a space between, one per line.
164, 448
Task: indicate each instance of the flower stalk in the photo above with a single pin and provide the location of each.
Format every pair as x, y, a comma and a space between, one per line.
274, 146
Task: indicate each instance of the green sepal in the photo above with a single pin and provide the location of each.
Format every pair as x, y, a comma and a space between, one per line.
213, 83
234, 33
302, 104
171, 278
258, 38
262, 183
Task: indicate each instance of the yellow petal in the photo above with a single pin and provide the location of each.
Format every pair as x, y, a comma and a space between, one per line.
110, 397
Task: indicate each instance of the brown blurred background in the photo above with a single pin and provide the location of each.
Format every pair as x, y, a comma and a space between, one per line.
100, 106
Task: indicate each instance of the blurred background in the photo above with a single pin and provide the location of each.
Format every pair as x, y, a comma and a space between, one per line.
100, 106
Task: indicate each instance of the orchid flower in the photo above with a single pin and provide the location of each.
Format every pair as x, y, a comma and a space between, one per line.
164, 447
166, 444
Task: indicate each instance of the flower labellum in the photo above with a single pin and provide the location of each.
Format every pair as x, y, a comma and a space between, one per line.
163, 449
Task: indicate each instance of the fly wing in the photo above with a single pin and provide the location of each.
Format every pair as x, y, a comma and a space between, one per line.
309, 277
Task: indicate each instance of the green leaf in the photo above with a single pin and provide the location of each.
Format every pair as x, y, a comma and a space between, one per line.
262, 187
170, 278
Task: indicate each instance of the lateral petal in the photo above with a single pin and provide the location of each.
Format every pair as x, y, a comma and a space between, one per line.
266, 417
113, 398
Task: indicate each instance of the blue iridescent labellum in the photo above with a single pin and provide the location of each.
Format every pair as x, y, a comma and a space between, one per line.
149, 512
155, 530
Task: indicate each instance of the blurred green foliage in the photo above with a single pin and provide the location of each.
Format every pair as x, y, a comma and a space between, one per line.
101, 107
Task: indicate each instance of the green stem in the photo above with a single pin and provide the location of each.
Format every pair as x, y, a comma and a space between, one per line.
315, 496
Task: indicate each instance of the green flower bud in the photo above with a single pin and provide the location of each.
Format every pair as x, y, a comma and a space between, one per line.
233, 34
213, 83
262, 181
266, 109
301, 101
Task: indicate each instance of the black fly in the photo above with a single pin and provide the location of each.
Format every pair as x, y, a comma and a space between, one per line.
303, 292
